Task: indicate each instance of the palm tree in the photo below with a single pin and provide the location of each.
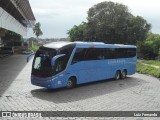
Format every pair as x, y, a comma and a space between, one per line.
37, 30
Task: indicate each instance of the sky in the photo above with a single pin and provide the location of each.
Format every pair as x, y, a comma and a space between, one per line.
58, 16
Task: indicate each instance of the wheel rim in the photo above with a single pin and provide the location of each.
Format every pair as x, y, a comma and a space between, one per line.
124, 74
117, 75
69, 84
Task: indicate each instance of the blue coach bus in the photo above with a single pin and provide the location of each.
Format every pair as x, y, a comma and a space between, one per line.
67, 64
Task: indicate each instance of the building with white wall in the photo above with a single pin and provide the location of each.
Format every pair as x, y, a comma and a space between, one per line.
16, 16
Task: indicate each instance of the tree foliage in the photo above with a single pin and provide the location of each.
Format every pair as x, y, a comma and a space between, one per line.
77, 33
111, 22
150, 47
10, 35
37, 30
138, 29
32, 39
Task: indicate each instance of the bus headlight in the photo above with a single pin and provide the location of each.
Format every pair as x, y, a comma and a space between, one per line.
61, 75
54, 78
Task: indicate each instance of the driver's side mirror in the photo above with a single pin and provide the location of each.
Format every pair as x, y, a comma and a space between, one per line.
55, 58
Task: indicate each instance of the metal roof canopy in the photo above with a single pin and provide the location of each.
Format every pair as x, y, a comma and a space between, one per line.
16, 13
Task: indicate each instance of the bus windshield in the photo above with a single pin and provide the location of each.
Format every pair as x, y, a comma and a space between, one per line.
42, 62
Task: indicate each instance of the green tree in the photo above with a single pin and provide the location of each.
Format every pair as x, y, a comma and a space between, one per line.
37, 30
138, 29
10, 35
113, 23
11, 38
32, 39
78, 33
152, 37
150, 47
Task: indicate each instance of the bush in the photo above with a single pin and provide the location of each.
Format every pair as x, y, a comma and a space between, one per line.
150, 48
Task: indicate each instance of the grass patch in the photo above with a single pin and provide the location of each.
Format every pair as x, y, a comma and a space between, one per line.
151, 62
146, 69
34, 48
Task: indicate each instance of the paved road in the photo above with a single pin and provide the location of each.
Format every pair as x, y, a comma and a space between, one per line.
10, 67
136, 93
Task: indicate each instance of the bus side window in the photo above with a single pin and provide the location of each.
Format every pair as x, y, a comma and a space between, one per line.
131, 52
61, 64
100, 53
89, 54
79, 55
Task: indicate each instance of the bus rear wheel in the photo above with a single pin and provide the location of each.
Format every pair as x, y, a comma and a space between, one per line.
118, 75
123, 74
71, 83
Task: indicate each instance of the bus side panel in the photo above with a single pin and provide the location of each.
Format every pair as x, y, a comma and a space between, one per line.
131, 65
99, 70
82, 71
88, 71
116, 64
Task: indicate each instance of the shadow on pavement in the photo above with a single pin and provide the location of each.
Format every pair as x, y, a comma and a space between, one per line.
10, 67
85, 91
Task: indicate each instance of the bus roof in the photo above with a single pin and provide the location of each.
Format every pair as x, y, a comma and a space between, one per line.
57, 45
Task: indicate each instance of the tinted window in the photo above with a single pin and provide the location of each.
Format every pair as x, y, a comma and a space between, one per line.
131, 52
79, 55
64, 60
94, 54
120, 53
83, 54
42, 62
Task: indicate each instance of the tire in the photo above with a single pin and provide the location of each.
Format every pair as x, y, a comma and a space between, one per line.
123, 74
118, 75
71, 83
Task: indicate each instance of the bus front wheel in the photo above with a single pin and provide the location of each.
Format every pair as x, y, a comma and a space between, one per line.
118, 75
71, 83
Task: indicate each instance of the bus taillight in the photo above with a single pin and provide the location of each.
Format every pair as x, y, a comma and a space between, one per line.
92, 46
